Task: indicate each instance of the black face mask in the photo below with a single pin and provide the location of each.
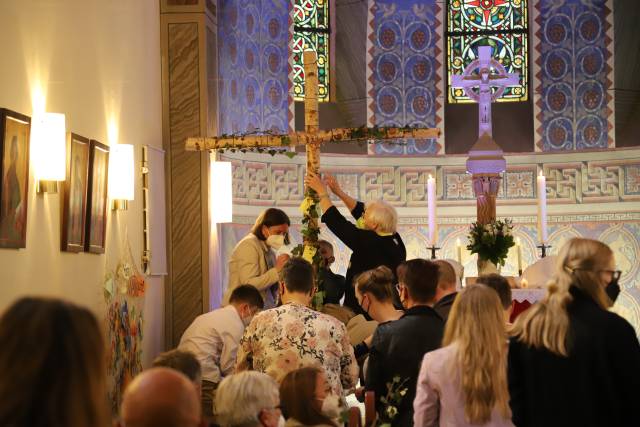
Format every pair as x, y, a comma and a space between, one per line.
613, 290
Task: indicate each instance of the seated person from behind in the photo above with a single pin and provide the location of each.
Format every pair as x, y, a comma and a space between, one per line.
334, 284
397, 347
446, 290
160, 397
285, 338
214, 338
306, 399
184, 362
248, 399
502, 287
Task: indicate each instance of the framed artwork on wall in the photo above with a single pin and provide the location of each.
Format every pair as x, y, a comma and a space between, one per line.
72, 237
96, 217
14, 172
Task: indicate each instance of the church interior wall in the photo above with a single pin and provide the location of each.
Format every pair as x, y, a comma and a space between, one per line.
98, 63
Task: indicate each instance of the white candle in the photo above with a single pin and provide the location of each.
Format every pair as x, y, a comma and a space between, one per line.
459, 251
519, 249
431, 208
542, 208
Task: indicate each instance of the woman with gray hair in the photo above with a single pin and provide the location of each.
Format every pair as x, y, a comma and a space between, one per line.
248, 399
374, 240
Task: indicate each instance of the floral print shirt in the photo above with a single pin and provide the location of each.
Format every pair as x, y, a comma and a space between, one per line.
291, 336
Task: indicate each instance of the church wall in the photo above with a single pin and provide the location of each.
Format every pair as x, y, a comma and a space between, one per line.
592, 194
98, 62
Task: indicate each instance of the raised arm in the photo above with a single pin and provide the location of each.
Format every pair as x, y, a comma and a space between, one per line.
335, 188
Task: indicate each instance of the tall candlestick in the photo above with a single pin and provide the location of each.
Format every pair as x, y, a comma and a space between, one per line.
459, 251
542, 208
431, 209
519, 252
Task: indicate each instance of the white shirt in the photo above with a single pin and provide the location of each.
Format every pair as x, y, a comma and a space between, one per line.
214, 338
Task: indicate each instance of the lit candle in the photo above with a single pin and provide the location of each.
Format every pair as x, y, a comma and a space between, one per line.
542, 208
459, 251
431, 208
519, 253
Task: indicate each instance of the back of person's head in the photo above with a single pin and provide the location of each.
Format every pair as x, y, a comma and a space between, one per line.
298, 397
377, 282
52, 365
421, 280
476, 325
247, 294
401, 269
269, 218
446, 275
247, 399
500, 285
382, 215
160, 397
297, 276
580, 264
182, 361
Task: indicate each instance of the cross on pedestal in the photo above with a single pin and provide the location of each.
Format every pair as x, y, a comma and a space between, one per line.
485, 161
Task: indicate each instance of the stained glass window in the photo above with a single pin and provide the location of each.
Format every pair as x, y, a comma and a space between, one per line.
311, 31
501, 24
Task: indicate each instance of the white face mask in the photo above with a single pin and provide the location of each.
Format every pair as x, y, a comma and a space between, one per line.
281, 421
275, 241
331, 406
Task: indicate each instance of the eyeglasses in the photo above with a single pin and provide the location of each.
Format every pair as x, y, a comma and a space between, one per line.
615, 274
398, 287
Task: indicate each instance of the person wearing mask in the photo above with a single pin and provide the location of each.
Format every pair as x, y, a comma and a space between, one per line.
373, 239
572, 361
214, 338
502, 287
465, 382
374, 295
249, 399
333, 283
306, 399
397, 347
253, 261
446, 291
285, 338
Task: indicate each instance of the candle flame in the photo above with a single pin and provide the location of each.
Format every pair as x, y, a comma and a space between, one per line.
518, 241
457, 242
430, 177
540, 174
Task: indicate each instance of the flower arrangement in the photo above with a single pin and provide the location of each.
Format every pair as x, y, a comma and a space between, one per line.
396, 391
491, 241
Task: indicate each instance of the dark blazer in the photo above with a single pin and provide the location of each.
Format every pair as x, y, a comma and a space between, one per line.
334, 285
397, 350
444, 304
370, 250
596, 385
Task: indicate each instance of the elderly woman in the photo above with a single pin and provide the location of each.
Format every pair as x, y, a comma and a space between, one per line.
248, 399
253, 260
374, 240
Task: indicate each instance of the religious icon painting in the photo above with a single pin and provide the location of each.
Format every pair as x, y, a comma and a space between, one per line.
96, 209
14, 172
75, 194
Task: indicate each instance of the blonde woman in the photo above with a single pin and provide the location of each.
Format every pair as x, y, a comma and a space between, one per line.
571, 361
465, 382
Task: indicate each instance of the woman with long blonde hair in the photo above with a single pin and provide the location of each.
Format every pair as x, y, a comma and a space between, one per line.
571, 361
465, 382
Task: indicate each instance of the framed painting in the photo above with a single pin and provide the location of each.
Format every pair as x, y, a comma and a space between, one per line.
96, 217
15, 129
74, 206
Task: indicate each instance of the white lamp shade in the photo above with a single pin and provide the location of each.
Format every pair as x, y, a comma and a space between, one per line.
49, 146
121, 174
221, 195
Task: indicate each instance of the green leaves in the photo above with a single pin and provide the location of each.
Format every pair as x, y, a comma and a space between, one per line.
491, 241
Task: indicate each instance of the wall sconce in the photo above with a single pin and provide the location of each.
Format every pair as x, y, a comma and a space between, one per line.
221, 204
49, 148
121, 176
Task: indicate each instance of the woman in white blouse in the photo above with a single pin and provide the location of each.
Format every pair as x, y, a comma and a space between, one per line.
253, 260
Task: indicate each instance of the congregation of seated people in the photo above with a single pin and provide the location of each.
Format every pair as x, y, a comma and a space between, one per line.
429, 351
